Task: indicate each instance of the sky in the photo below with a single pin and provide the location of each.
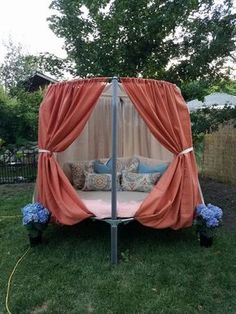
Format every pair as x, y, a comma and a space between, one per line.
24, 21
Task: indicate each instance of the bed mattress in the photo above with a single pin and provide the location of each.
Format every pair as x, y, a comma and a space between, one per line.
99, 202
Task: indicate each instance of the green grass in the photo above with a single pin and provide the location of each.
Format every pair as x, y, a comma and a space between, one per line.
159, 271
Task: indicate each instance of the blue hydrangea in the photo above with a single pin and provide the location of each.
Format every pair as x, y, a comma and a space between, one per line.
200, 208
35, 213
212, 223
209, 216
43, 215
217, 211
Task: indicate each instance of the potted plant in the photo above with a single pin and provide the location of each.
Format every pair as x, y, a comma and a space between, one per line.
35, 219
208, 219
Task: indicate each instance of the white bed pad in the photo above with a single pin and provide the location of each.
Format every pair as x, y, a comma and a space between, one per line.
99, 202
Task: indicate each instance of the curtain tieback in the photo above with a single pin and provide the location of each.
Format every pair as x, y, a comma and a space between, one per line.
44, 151
185, 151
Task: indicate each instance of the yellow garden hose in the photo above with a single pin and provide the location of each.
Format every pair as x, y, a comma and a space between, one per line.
14, 269
7, 217
9, 280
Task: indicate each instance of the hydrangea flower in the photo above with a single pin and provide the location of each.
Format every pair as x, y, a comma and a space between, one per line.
217, 210
211, 223
208, 218
35, 213
200, 208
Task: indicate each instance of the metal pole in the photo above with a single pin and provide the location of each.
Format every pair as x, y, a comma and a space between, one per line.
114, 226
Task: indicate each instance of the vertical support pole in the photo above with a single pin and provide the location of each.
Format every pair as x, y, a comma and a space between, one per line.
114, 226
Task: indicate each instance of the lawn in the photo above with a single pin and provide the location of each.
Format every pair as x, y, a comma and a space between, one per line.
159, 271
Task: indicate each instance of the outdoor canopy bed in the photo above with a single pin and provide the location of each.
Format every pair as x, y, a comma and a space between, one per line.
110, 119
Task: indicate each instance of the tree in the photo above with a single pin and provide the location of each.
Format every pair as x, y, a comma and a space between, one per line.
53, 65
201, 88
8, 118
165, 39
18, 108
19, 116
18, 66
14, 68
27, 111
224, 86
195, 90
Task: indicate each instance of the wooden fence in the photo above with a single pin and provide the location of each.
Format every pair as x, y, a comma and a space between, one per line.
219, 158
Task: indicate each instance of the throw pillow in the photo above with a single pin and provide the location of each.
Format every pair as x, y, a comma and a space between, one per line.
77, 172
99, 182
122, 163
142, 182
142, 168
130, 165
100, 167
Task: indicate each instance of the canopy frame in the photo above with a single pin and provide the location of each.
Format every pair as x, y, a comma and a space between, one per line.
156, 211
114, 226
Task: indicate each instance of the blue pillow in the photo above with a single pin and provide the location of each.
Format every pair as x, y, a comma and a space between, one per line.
99, 167
150, 169
109, 164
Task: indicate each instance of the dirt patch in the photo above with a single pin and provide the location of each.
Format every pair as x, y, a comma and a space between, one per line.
224, 196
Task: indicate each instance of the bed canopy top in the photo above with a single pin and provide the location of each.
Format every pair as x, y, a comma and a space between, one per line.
64, 116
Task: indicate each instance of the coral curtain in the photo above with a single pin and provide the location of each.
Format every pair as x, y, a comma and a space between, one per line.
172, 201
63, 114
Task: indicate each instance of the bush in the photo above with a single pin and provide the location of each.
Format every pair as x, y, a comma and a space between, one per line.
19, 117
207, 120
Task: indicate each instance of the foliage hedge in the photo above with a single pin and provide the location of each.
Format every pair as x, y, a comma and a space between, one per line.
207, 120
19, 116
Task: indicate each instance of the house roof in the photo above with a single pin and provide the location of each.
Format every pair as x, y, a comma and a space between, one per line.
38, 80
215, 99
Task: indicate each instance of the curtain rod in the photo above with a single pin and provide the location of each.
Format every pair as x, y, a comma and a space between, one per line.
114, 77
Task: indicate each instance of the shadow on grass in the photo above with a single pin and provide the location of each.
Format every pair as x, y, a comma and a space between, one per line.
100, 231
89, 237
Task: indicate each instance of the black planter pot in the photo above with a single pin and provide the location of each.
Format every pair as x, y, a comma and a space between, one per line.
35, 240
205, 241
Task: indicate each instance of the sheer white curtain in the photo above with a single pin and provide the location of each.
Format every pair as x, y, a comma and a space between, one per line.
134, 138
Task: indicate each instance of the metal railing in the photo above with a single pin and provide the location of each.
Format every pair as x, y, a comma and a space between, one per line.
18, 165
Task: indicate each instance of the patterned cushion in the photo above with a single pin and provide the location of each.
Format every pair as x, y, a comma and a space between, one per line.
77, 172
77, 169
142, 182
128, 164
132, 165
99, 182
